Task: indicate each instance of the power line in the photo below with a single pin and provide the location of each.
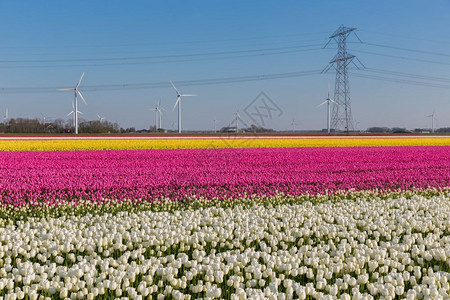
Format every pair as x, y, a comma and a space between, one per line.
164, 84
167, 43
408, 49
156, 62
240, 79
403, 81
403, 57
161, 56
408, 75
403, 36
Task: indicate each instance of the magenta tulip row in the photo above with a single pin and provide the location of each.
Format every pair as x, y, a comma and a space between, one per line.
146, 175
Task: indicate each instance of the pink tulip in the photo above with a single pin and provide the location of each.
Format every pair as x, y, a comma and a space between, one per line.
146, 175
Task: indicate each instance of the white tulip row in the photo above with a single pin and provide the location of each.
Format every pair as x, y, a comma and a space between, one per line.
350, 249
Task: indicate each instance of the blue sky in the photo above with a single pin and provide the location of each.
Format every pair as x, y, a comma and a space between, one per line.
44, 44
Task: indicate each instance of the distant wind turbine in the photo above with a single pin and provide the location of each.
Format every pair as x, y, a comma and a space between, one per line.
75, 121
6, 120
293, 124
215, 122
356, 124
44, 118
158, 112
236, 120
328, 100
432, 121
100, 118
178, 102
75, 102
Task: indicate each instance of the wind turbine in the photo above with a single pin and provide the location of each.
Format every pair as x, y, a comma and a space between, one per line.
432, 121
100, 118
75, 102
44, 118
75, 119
293, 124
236, 120
6, 117
328, 100
215, 127
158, 112
178, 102
356, 124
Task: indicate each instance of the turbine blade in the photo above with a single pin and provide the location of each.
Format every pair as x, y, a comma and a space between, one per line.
79, 81
173, 85
70, 113
188, 95
66, 89
79, 93
322, 103
176, 103
335, 102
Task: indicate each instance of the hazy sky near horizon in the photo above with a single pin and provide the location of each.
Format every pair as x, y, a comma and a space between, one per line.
48, 44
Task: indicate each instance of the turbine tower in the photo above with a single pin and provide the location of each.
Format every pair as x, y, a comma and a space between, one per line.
75, 102
341, 116
178, 102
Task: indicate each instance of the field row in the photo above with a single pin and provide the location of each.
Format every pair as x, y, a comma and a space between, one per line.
54, 178
211, 143
357, 248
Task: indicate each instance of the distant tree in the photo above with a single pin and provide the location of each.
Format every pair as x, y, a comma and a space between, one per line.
128, 130
24, 125
259, 129
399, 130
378, 130
97, 126
444, 129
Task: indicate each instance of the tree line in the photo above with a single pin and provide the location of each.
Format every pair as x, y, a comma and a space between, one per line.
25, 125
404, 130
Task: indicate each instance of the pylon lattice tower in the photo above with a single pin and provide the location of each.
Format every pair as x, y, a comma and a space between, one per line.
341, 116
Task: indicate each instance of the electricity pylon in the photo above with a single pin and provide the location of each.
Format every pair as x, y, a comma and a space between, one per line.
341, 116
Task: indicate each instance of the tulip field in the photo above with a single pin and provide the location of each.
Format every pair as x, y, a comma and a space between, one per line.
204, 218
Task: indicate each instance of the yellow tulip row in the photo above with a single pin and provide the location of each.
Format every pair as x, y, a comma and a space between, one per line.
117, 144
